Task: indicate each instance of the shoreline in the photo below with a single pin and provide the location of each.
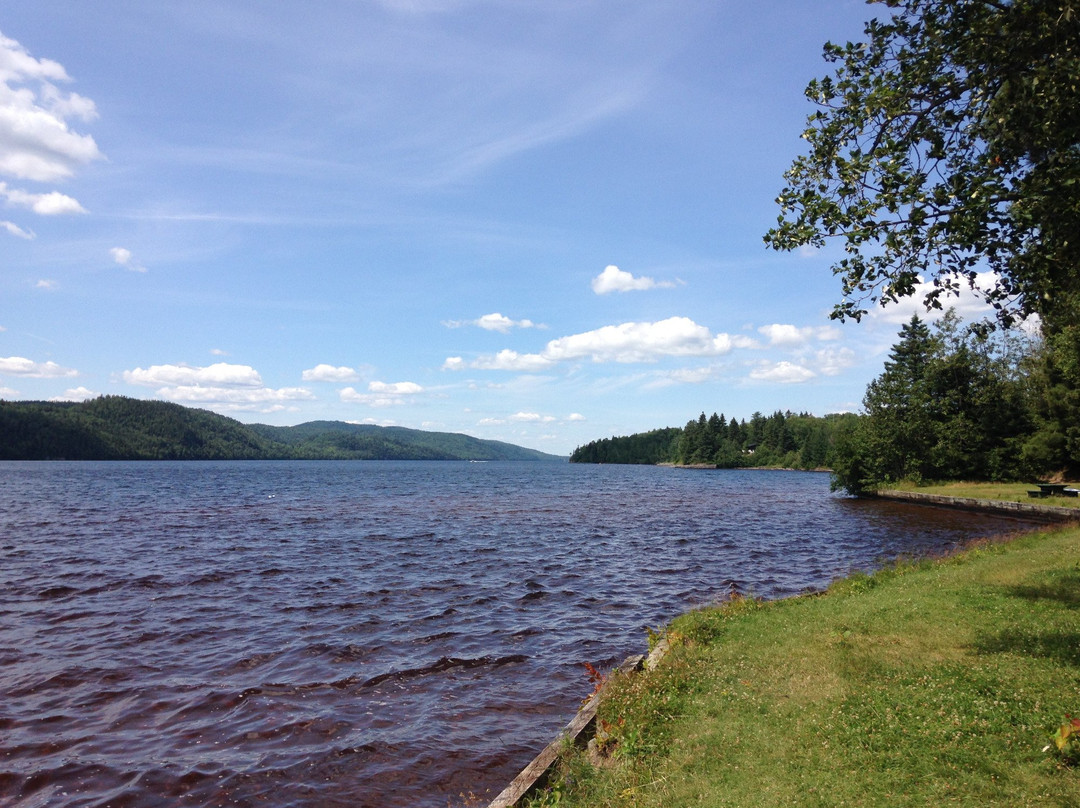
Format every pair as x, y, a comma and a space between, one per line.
581, 729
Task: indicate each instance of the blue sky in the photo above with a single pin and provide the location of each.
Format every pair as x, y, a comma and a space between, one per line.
538, 221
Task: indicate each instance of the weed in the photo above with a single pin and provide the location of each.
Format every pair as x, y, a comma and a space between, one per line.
1067, 741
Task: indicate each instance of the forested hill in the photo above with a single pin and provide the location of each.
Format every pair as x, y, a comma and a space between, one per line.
120, 428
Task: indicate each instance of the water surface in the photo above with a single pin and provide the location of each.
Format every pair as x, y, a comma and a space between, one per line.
367, 633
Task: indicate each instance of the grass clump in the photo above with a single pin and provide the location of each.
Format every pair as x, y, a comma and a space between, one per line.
941, 683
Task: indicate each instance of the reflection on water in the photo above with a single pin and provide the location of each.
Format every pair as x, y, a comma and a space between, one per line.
367, 633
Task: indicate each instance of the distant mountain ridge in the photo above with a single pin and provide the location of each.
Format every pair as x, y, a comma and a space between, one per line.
121, 428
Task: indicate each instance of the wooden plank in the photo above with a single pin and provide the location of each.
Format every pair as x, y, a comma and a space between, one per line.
578, 732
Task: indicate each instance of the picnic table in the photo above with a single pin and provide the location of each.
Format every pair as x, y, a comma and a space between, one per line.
1053, 490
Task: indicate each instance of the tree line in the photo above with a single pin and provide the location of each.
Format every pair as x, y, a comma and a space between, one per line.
783, 439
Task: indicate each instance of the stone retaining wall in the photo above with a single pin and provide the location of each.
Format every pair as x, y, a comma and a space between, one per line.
1022, 510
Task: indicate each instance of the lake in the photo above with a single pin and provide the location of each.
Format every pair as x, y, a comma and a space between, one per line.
368, 633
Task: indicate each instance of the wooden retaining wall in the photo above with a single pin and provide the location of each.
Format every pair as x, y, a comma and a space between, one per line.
578, 732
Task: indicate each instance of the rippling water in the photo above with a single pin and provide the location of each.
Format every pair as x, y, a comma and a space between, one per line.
366, 633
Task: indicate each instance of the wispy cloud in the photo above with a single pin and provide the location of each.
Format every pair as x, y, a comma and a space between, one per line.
790, 336
493, 322
17, 231
123, 257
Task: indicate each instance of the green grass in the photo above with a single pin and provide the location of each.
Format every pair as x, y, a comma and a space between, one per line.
933, 683
1010, 492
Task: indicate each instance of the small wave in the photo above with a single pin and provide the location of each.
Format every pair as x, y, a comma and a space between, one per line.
54, 592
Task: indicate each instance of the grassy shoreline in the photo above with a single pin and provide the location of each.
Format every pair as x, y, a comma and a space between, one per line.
928, 683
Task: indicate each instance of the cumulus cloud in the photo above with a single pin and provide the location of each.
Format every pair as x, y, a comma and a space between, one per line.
329, 373
576, 416
221, 386
20, 366
46, 283
784, 335
7, 392
613, 279
382, 394
781, 373
123, 257
220, 374
76, 394
17, 231
493, 322
52, 203
624, 343
968, 304
36, 142
643, 342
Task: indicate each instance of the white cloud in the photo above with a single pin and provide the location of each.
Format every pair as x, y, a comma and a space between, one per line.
52, 203
834, 361
76, 394
123, 257
493, 322
783, 335
643, 342
625, 343
20, 366
532, 418
576, 416
381, 394
669, 378
7, 392
782, 373
218, 375
15, 230
218, 352
613, 279
396, 388
329, 373
46, 283
233, 399
35, 140
968, 304
512, 360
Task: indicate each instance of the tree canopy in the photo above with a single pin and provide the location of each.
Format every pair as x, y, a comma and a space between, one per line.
946, 143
